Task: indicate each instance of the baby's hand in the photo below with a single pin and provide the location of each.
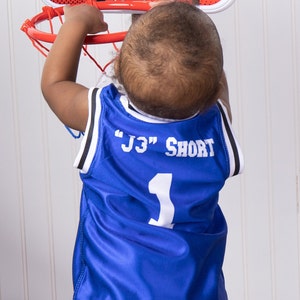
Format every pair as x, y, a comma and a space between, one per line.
89, 15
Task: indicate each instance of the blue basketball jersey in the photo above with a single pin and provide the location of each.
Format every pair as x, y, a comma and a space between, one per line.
150, 225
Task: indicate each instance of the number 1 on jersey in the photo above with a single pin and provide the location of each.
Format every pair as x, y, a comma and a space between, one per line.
160, 185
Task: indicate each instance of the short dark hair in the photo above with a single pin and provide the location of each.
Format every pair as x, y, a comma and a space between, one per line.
171, 61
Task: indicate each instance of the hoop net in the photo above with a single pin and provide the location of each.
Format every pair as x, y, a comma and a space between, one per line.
51, 17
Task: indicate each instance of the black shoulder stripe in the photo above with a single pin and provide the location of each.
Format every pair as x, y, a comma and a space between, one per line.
231, 140
90, 130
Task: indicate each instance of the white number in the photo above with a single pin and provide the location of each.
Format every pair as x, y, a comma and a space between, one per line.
160, 185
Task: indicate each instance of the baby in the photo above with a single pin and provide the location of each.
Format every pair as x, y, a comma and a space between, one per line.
152, 160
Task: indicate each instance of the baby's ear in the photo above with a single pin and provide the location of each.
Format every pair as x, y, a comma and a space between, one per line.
117, 68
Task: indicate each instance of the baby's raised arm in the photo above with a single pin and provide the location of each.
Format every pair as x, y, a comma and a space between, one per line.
68, 99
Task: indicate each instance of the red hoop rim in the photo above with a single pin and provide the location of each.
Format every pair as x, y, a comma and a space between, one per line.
48, 12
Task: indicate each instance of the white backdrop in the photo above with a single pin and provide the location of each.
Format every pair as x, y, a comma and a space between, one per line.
40, 190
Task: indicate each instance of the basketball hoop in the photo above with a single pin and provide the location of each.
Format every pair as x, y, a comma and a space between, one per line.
48, 13
54, 10
39, 37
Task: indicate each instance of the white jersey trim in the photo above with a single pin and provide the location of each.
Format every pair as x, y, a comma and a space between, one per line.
236, 159
139, 114
88, 145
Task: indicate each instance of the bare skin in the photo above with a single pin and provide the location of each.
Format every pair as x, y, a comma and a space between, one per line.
68, 99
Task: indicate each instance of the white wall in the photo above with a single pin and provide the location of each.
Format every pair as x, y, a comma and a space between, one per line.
40, 190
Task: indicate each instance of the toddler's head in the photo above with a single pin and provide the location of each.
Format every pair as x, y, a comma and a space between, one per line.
171, 61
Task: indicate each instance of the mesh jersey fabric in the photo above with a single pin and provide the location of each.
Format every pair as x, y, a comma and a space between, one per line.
150, 224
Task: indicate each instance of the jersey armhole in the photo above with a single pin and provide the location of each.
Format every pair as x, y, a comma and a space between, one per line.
88, 145
236, 159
